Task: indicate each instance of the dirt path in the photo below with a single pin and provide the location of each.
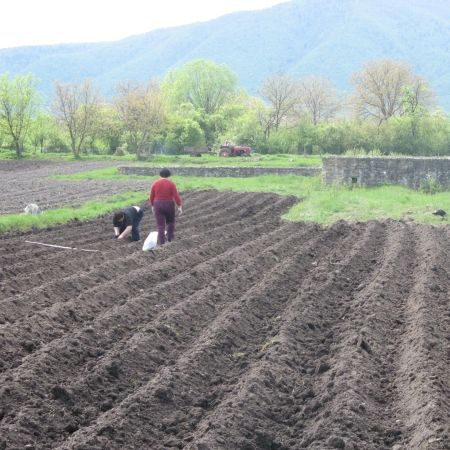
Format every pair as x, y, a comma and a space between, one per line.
247, 332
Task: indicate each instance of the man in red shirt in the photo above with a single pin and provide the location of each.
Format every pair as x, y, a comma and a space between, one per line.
163, 197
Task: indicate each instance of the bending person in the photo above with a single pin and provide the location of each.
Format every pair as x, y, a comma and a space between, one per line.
127, 221
163, 197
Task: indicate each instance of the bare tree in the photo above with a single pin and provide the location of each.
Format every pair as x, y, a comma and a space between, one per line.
281, 92
141, 109
380, 86
75, 106
318, 98
18, 101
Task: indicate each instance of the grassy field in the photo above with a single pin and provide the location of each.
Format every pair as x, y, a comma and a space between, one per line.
330, 204
109, 173
320, 203
256, 160
89, 210
37, 156
317, 202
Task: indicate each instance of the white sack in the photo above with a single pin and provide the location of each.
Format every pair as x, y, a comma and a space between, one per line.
151, 241
32, 208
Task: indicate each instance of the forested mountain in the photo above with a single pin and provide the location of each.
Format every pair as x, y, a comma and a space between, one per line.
330, 38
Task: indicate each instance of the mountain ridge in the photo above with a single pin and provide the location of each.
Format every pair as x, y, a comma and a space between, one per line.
330, 38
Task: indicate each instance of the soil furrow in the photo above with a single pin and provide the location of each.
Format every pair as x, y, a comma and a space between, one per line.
193, 279
223, 350
245, 332
358, 380
279, 394
422, 352
62, 309
77, 232
241, 215
139, 355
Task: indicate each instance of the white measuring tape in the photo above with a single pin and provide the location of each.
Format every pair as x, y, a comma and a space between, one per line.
61, 246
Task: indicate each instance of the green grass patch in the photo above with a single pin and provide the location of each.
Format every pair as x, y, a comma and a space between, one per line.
52, 156
329, 204
256, 160
283, 185
89, 210
320, 203
108, 173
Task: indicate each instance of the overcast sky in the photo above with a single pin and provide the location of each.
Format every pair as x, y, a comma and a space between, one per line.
39, 22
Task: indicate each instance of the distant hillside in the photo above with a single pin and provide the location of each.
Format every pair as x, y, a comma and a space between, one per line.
331, 38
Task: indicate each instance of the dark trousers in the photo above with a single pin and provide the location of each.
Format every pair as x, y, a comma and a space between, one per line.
135, 226
165, 215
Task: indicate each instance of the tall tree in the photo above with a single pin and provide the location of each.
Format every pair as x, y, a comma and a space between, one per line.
380, 88
282, 94
266, 120
75, 106
42, 127
417, 96
142, 111
109, 127
318, 98
18, 103
204, 84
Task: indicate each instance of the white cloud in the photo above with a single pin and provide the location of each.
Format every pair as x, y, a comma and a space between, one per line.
39, 22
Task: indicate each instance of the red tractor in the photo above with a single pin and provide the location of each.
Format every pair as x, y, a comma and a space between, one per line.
228, 149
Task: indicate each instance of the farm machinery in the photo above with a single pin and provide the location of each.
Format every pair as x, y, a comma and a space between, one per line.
228, 149
195, 151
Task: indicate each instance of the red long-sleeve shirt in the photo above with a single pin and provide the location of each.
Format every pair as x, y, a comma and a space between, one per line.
164, 189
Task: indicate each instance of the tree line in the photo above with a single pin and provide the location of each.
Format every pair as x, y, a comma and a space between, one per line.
391, 110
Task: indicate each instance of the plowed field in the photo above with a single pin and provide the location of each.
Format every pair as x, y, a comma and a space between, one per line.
26, 182
247, 332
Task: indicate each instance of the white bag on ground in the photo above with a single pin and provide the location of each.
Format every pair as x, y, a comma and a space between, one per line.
151, 241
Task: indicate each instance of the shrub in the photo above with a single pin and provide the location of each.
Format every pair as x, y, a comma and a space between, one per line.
120, 151
429, 185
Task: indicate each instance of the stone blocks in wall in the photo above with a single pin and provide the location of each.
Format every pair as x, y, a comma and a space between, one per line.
374, 171
223, 171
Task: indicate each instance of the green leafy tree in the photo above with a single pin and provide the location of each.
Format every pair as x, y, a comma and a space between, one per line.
438, 126
242, 124
209, 88
42, 128
307, 136
18, 103
184, 133
206, 85
108, 127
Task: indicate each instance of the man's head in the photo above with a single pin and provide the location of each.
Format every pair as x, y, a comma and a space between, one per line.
165, 173
118, 218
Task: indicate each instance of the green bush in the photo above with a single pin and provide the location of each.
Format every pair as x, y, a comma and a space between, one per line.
429, 185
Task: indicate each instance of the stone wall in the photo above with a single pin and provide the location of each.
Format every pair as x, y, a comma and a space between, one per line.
223, 171
367, 171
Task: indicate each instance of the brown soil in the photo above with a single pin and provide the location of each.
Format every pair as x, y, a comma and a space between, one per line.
26, 182
245, 333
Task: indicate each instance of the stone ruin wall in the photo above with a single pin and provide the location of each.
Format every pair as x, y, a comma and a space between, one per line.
373, 171
223, 171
